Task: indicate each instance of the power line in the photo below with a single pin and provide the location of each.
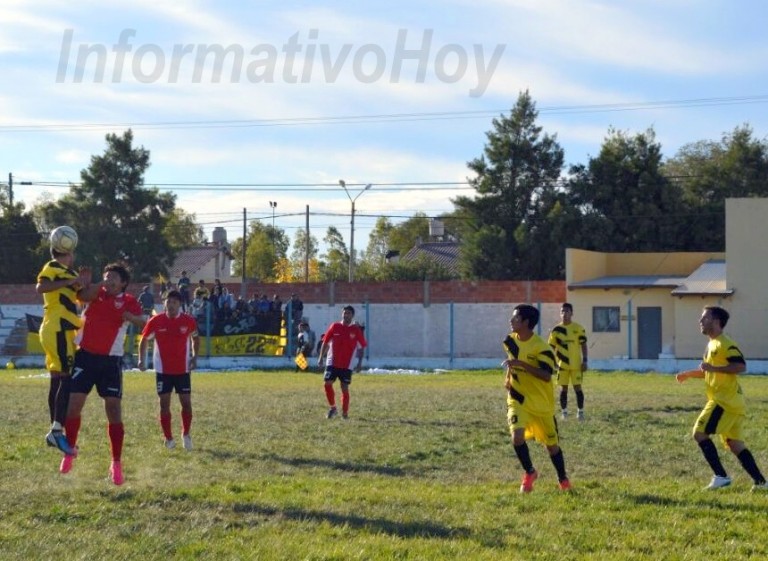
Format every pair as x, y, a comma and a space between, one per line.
392, 117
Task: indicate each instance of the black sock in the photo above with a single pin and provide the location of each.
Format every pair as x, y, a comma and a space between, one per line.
53, 390
710, 454
62, 400
558, 460
564, 398
524, 455
749, 464
579, 399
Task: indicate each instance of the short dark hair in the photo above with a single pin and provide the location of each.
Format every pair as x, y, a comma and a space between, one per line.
121, 270
175, 294
567, 306
528, 313
350, 308
720, 314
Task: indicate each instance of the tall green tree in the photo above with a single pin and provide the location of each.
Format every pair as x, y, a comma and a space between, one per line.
182, 230
117, 218
709, 172
305, 251
23, 251
334, 263
627, 201
515, 181
265, 247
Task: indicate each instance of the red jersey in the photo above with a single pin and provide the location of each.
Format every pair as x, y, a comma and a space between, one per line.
103, 330
173, 341
343, 340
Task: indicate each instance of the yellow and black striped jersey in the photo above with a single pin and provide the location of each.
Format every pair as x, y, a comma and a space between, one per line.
530, 392
60, 306
724, 389
567, 340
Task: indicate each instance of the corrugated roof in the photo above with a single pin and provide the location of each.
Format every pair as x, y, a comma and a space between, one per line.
192, 260
631, 281
709, 278
446, 254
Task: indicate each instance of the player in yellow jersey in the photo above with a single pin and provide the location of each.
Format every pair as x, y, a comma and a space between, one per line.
530, 400
724, 412
569, 341
59, 284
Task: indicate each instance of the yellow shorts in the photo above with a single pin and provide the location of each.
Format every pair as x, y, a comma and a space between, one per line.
540, 428
716, 420
570, 377
59, 347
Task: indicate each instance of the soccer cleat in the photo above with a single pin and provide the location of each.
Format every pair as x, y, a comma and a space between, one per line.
170, 443
564, 414
116, 472
565, 485
718, 482
332, 412
57, 439
187, 442
526, 486
760, 487
66, 464
345, 415
580, 414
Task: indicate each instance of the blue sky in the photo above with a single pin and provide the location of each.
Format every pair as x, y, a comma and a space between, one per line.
334, 91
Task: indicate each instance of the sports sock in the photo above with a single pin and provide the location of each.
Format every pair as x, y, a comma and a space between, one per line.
330, 395
524, 455
165, 424
580, 399
186, 422
116, 433
749, 464
710, 454
72, 428
61, 401
53, 390
564, 397
558, 460
345, 402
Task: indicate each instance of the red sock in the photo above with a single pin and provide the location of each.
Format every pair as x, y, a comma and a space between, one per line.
330, 395
186, 422
345, 402
116, 433
72, 428
165, 424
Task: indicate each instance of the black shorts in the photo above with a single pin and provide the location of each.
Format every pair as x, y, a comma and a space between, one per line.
343, 374
103, 371
166, 383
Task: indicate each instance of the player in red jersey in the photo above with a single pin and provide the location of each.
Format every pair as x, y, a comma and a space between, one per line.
98, 361
175, 354
340, 342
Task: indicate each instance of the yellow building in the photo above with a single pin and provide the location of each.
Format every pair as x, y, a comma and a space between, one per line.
647, 305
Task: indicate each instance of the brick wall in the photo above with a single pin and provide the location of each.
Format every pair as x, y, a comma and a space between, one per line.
430, 292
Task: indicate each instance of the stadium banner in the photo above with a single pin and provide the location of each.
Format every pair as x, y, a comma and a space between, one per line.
220, 345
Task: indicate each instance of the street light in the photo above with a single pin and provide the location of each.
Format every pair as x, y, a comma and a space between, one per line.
273, 205
352, 227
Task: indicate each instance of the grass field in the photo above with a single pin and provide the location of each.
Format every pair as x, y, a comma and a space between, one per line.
423, 469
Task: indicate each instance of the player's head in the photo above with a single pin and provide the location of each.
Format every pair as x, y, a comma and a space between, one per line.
172, 302
566, 311
526, 314
66, 257
116, 278
713, 319
347, 313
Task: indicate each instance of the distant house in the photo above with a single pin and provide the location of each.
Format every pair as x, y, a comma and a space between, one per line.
207, 262
445, 254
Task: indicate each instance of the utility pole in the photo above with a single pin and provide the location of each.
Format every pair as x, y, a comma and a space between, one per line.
10, 190
306, 251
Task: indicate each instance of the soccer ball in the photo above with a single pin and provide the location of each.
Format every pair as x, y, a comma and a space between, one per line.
64, 239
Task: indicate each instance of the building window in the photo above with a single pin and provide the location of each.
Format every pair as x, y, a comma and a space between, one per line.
605, 319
